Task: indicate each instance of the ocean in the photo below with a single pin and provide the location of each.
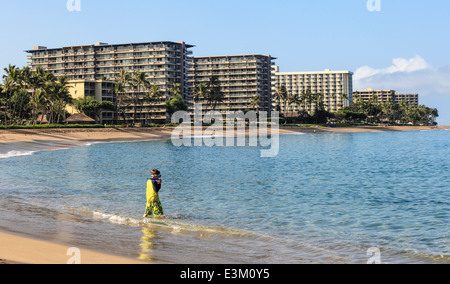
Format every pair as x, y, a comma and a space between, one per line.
326, 198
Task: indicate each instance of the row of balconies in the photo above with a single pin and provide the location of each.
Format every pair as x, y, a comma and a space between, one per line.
223, 61
231, 67
71, 57
106, 50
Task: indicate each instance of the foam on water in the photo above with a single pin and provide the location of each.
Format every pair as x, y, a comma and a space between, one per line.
293, 133
12, 154
169, 224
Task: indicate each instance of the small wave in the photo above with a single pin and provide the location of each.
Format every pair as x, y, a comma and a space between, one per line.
293, 133
12, 154
169, 224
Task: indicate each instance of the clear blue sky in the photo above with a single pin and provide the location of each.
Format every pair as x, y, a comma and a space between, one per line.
304, 35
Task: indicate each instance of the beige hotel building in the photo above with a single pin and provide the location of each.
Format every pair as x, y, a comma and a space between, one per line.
332, 84
90, 67
386, 95
242, 78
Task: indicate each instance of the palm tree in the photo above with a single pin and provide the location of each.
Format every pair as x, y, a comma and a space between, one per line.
9, 86
37, 99
123, 80
123, 77
24, 76
153, 95
214, 94
63, 97
289, 100
434, 115
120, 91
2, 102
255, 102
280, 96
175, 90
344, 97
50, 92
298, 100
334, 96
318, 101
405, 111
139, 83
36, 83
308, 98
199, 91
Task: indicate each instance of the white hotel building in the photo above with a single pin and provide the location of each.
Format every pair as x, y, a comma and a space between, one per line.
332, 84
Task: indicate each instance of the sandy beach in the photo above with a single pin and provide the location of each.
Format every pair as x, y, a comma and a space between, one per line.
17, 249
116, 134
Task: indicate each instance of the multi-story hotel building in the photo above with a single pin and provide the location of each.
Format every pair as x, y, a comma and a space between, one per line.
243, 78
335, 86
386, 95
164, 64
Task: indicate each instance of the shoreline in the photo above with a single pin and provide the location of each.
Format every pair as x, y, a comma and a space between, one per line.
66, 138
16, 249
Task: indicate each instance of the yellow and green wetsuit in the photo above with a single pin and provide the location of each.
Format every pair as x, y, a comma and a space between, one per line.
154, 206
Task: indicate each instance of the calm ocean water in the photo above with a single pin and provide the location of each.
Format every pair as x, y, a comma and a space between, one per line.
326, 198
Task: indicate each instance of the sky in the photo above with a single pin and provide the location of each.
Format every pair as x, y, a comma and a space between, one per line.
389, 44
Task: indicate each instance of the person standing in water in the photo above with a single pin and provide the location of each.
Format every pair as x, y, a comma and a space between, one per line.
154, 206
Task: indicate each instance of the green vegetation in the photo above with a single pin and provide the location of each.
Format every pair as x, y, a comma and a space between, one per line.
93, 108
37, 97
213, 93
361, 112
373, 112
129, 88
176, 104
30, 97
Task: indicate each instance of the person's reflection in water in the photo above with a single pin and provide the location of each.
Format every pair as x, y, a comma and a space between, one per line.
148, 244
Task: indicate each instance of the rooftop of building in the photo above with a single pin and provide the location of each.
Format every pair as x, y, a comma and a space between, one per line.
101, 44
326, 71
238, 55
371, 90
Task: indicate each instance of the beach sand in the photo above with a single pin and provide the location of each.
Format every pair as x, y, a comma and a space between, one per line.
17, 249
67, 137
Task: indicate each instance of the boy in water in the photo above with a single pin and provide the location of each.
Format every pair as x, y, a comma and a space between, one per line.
154, 206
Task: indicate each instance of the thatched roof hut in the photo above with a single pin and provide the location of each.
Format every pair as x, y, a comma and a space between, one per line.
43, 118
79, 118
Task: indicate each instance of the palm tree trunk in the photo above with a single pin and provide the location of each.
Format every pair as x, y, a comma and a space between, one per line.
6, 110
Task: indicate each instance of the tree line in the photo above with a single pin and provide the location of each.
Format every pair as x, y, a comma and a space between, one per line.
391, 112
37, 96
364, 111
307, 100
25, 94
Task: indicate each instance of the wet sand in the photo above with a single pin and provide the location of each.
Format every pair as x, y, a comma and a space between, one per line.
19, 250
